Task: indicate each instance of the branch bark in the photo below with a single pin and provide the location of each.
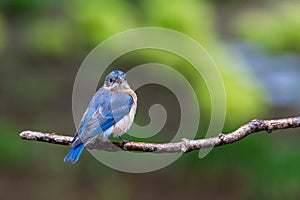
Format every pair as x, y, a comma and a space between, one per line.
184, 146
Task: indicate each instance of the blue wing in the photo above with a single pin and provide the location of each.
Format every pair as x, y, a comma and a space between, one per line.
105, 109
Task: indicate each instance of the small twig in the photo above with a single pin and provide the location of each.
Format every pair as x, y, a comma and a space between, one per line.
184, 146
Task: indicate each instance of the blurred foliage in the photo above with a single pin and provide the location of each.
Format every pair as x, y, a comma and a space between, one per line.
13, 153
48, 37
2, 34
276, 29
97, 20
194, 18
44, 42
19, 6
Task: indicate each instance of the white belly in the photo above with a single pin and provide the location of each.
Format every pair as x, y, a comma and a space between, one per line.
125, 123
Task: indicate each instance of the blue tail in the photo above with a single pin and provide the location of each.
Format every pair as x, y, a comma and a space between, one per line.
74, 154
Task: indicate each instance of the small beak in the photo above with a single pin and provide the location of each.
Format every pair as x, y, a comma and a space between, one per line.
119, 81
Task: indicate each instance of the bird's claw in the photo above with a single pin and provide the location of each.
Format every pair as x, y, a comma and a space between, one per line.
124, 141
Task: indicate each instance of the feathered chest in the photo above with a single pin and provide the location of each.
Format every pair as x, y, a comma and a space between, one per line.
125, 123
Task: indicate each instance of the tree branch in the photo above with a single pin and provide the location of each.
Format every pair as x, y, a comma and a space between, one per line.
184, 146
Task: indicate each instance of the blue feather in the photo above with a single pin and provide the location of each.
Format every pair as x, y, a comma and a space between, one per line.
105, 109
74, 154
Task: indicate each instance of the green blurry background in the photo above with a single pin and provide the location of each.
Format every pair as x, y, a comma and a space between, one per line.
255, 44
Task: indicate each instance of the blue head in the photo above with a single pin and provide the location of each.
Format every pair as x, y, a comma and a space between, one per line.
116, 81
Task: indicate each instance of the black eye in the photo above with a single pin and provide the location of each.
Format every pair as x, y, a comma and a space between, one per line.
110, 80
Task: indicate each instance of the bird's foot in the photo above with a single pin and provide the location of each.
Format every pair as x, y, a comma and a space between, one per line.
124, 141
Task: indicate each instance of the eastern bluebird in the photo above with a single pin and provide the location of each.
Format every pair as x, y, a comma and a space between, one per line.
110, 112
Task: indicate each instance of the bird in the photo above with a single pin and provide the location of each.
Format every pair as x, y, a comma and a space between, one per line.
110, 112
